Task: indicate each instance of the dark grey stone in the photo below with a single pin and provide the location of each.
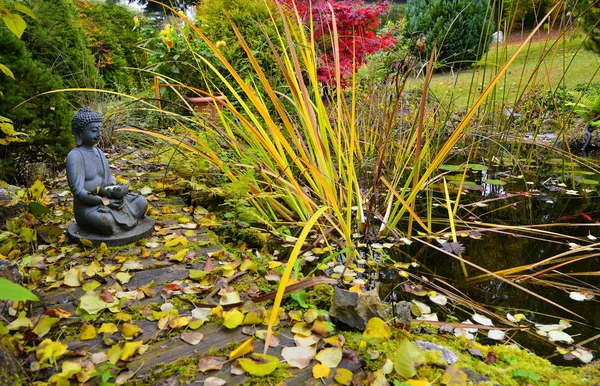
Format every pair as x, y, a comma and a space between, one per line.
104, 210
144, 229
447, 355
403, 314
355, 309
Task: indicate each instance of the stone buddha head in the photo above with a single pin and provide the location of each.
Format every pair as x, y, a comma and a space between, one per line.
87, 127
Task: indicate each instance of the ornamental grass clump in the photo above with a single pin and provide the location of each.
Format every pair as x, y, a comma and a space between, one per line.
298, 151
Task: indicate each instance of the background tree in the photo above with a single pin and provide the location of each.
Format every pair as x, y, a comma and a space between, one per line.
590, 23
463, 28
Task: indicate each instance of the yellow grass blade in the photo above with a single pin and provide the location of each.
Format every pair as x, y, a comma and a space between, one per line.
288, 271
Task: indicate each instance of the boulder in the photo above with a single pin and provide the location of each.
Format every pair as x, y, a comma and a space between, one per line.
355, 309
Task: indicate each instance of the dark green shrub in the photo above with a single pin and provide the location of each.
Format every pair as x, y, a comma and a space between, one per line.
57, 40
46, 119
463, 28
590, 23
112, 38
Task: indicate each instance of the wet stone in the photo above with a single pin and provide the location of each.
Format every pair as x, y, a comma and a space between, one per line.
355, 309
403, 314
447, 355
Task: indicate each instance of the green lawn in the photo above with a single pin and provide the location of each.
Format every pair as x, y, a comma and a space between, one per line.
531, 69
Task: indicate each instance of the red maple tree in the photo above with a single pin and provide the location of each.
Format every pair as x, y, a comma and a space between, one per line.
356, 24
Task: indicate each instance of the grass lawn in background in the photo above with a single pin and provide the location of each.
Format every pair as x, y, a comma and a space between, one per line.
541, 65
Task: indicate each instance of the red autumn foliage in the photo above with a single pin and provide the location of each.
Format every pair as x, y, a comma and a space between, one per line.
356, 24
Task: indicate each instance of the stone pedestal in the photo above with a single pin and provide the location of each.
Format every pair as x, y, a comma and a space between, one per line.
142, 230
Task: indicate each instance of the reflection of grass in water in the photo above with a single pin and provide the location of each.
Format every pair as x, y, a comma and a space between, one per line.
549, 73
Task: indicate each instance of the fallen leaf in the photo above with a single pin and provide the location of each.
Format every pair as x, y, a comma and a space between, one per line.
376, 331
192, 337
233, 318
343, 376
44, 326
123, 277
73, 277
408, 358
130, 349
331, 356
453, 376
259, 364
130, 331
483, 320
109, 328
57, 313
321, 371
49, 351
214, 381
243, 349
229, 296
179, 256
211, 363
298, 357
559, 336
418, 308
496, 334
88, 332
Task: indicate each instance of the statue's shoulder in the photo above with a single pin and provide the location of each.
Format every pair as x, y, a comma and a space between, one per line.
74, 154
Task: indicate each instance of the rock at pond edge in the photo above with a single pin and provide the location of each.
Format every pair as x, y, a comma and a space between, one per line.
355, 309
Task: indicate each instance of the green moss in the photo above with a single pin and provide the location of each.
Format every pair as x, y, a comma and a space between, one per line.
320, 296
186, 368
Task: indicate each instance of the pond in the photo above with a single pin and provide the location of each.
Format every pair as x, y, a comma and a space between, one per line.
555, 213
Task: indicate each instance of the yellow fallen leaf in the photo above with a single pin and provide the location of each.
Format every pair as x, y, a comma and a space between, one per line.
217, 311
321, 371
44, 326
233, 318
179, 321
73, 277
88, 332
69, 369
376, 331
343, 376
22, 322
92, 269
49, 351
109, 328
417, 382
123, 277
130, 349
179, 256
121, 180
114, 353
130, 331
331, 356
243, 349
259, 364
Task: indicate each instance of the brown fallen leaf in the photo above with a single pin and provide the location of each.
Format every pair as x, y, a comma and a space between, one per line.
211, 363
192, 337
106, 296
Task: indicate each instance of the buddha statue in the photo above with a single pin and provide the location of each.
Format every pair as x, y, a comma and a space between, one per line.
104, 210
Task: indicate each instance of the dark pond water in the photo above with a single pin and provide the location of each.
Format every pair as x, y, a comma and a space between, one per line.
547, 201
